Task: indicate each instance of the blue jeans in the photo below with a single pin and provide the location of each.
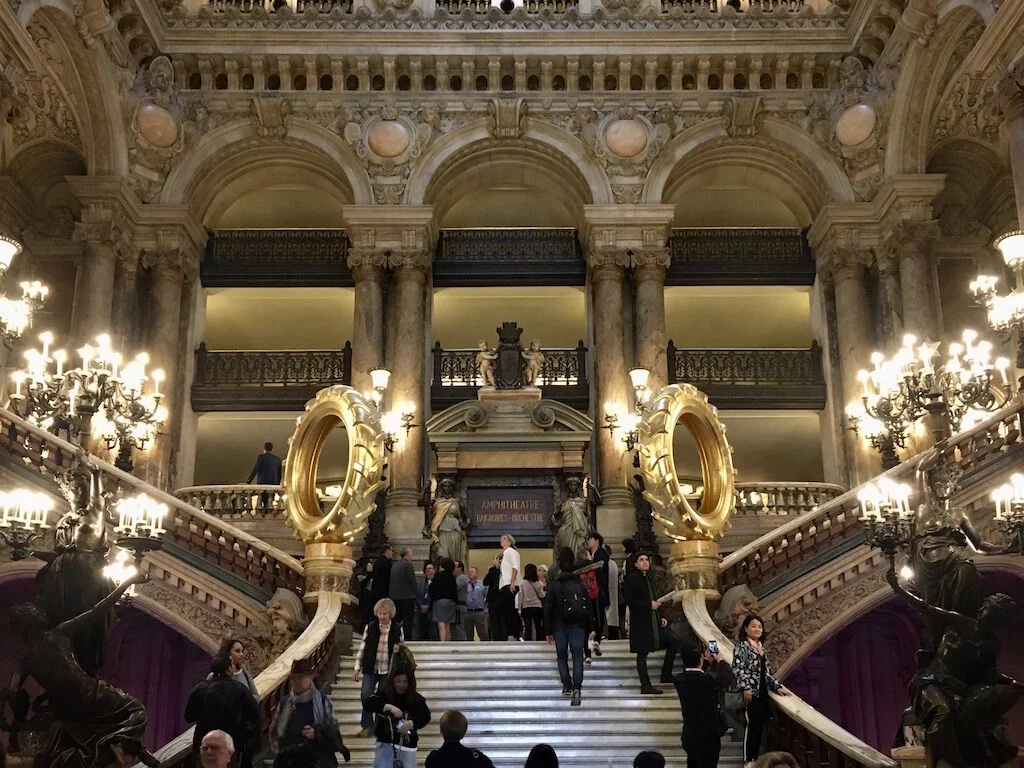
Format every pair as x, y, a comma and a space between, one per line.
370, 682
384, 756
573, 638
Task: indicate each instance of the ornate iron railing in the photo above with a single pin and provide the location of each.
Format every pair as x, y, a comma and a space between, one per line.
276, 257
245, 381
202, 535
473, 257
563, 376
837, 523
738, 256
752, 378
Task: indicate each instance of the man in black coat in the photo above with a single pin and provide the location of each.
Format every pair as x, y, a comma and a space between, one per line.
267, 469
221, 703
699, 687
647, 630
381, 586
403, 590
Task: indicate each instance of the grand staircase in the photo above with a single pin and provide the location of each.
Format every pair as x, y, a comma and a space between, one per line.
511, 695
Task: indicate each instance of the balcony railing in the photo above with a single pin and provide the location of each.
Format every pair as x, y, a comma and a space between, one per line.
563, 376
836, 524
189, 529
276, 257
507, 257
738, 256
752, 378
266, 381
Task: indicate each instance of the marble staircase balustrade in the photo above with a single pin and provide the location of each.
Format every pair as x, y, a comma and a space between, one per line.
981, 451
811, 737
315, 643
192, 534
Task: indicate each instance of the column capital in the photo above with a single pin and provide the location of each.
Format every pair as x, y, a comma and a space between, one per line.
907, 236
366, 263
399, 237
626, 227
174, 247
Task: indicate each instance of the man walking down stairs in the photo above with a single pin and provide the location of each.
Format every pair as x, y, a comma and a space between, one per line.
511, 696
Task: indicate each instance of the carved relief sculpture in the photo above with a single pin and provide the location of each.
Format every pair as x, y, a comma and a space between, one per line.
287, 621
485, 359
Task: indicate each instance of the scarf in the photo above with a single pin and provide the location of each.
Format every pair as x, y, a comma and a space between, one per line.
320, 714
655, 618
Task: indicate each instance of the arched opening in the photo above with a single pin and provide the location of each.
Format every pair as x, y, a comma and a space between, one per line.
404, 83
326, 82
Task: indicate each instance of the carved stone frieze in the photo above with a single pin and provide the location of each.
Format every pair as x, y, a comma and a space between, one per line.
203, 618
507, 115
39, 106
970, 110
743, 116
270, 117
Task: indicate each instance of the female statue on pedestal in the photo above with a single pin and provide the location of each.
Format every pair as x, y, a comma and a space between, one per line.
448, 525
572, 520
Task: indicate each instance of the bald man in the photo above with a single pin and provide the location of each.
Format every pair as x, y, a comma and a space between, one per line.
216, 750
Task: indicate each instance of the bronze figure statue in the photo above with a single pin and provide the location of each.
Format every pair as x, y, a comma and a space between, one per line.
572, 520
448, 524
97, 725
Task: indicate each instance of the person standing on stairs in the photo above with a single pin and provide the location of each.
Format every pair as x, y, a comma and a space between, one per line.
400, 714
381, 639
402, 591
381, 585
509, 585
647, 630
462, 589
475, 621
754, 677
595, 543
492, 581
444, 594
533, 604
567, 616
453, 753
303, 731
698, 687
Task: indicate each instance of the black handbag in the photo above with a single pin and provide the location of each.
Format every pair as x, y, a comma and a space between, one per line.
734, 700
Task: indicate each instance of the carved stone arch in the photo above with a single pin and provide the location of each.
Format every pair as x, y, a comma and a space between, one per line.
801, 634
554, 155
92, 84
986, 10
925, 73
547, 415
229, 161
786, 155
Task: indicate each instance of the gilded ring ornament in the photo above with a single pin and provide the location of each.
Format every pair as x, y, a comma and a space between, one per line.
683, 403
333, 406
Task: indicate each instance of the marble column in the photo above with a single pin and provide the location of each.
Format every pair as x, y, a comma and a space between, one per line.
368, 315
649, 267
854, 337
125, 320
913, 247
92, 313
169, 271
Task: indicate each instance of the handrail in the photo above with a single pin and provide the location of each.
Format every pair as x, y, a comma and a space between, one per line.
314, 643
191, 528
798, 711
834, 520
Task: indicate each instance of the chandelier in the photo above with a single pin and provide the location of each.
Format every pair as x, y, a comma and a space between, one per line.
901, 389
1009, 518
887, 515
16, 314
23, 519
104, 396
1006, 312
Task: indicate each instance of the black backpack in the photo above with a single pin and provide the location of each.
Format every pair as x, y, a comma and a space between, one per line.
573, 607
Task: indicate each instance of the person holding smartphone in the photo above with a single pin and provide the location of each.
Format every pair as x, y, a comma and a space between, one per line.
699, 686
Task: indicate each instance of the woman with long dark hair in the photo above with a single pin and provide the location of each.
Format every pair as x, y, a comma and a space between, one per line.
233, 650
533, 603
401, 713
754, 677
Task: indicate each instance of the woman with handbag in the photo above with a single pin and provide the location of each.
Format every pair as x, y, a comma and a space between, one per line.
401, 713
755, 679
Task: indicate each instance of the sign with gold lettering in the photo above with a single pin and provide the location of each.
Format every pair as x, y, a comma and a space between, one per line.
523, 512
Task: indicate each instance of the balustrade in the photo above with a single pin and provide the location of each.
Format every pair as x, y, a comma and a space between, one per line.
285, 380
706, 256
189, 528
563, 376
837, 522
783, 499
277, 257
752, 378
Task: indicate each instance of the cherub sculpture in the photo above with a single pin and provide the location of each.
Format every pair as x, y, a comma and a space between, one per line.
534, 358
485, 363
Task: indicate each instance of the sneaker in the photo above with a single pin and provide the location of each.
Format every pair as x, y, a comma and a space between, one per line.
566, 690
575, 698
586, 661
649, 690
597, 650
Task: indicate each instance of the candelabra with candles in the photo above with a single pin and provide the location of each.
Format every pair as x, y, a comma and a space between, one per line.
140, 521
103, 396
16, 314
1009, 519
395, 420
25, 517
1005, 312
886, 513
900, 390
